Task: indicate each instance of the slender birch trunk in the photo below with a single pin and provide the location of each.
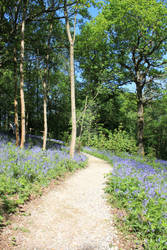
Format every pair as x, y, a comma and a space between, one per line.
22, 81
37, 86
16, 120
73, 108
72, 80
140, 121
45, 108
46, 77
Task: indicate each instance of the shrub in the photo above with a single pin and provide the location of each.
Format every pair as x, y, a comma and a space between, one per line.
118, 141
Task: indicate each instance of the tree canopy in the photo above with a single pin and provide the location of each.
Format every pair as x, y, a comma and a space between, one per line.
129, 41
125, 44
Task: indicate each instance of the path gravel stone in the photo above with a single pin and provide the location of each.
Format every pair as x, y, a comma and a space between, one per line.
71, 216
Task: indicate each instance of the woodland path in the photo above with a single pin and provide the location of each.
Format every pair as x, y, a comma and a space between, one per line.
71, 216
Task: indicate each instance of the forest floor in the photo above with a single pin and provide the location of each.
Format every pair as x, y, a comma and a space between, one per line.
73, 215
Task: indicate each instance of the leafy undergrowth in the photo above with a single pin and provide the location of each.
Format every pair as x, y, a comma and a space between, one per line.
25, 172
139, 186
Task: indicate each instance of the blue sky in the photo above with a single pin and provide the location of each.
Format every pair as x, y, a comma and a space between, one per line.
93, 11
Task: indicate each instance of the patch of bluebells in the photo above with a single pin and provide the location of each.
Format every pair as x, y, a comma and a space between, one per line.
152, 179
141, 189
161, 162
33, 159
24, 170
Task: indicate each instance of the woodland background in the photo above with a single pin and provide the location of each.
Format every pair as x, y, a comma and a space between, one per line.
120, 71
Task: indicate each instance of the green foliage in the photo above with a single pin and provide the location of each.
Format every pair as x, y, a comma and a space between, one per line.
118, 141
86, 120
150, 226
156, 127
126, 43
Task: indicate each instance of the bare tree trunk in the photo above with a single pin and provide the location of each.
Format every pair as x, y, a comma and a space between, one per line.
37, 87
140, 121
73, 109
72, 80
46, 77
22, 81
45, 109
16, 120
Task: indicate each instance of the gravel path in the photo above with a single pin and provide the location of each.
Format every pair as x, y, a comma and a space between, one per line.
72, 216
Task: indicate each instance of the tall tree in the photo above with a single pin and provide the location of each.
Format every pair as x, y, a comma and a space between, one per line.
15, 71
24, 6
16, 118
45, 80
135, 34
71, 39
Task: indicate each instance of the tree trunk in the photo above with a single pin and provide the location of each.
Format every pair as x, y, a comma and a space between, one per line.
22, 82
45, 110
73, 109
72, 79
37, 86
16, 120
140, 121
45, 82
